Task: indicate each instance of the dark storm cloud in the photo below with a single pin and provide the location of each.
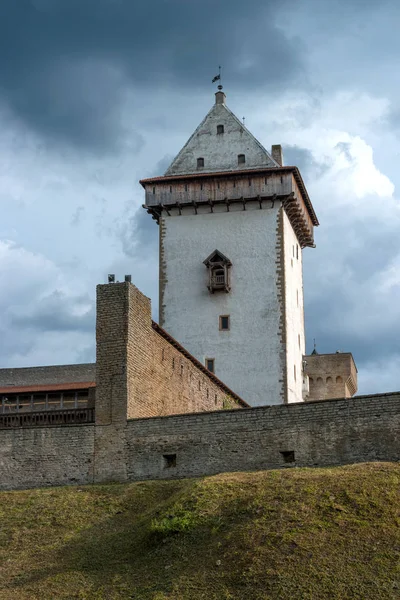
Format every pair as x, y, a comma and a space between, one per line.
350, 311
64, 63
139, 234
56, 312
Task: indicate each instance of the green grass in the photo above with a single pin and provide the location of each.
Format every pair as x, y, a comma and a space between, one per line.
290, 534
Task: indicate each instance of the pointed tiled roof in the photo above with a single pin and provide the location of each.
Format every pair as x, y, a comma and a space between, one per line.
219, 139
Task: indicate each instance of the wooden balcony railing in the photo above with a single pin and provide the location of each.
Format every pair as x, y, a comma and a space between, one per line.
73, 416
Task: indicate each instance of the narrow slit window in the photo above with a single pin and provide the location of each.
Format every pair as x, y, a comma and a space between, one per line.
241, 159
224, 323
220, 129
210, 364
154, 190
200, 163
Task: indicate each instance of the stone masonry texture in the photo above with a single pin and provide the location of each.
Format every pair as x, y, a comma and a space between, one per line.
324, 433
331, 375
139, 372
46, 456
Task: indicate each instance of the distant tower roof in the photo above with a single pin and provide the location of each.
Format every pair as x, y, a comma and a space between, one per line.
218, 141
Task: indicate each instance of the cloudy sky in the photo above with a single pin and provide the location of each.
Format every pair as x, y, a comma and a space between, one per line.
96, 94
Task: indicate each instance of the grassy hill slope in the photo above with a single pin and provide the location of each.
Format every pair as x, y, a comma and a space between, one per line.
290, 534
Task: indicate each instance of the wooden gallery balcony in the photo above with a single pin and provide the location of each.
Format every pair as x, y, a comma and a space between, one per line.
51, 405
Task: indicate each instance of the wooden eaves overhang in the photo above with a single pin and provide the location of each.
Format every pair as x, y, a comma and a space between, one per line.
300, 210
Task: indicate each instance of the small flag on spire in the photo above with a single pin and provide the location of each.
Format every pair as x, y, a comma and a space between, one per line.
217, 77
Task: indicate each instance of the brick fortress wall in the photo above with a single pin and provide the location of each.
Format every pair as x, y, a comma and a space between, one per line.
155, 373
331, 375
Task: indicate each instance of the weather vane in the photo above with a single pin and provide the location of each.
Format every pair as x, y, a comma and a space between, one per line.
218, 78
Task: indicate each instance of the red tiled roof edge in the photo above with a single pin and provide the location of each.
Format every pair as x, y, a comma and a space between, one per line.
20, 389
197, 363
294, 170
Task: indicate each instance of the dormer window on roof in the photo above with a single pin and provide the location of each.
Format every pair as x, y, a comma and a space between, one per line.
200, 163
218, 267
241, 159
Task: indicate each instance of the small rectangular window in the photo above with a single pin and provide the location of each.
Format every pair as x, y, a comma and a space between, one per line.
210, 364
220, 129
224, 322
154, 190
297, 251
186, 187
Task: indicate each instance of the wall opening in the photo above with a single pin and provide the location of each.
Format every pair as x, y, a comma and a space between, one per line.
200, 163
169, 461
224, 323
210, 364
220, 129
241, 159
288, 456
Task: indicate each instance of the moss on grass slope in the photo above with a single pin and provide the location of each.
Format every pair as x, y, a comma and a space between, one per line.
291, 534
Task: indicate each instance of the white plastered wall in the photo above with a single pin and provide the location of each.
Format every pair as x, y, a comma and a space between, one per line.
295, 337
248, 356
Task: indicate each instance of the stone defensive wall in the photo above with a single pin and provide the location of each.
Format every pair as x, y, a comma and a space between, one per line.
160, 414
313, 434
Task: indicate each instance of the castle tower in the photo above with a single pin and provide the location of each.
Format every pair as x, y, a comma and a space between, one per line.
233, 223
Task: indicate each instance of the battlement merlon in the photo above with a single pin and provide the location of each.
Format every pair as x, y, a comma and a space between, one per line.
234, 190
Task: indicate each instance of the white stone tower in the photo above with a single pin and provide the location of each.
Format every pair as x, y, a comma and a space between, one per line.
233, 222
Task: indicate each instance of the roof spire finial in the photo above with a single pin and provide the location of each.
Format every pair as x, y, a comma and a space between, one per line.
219, 96
315, 348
